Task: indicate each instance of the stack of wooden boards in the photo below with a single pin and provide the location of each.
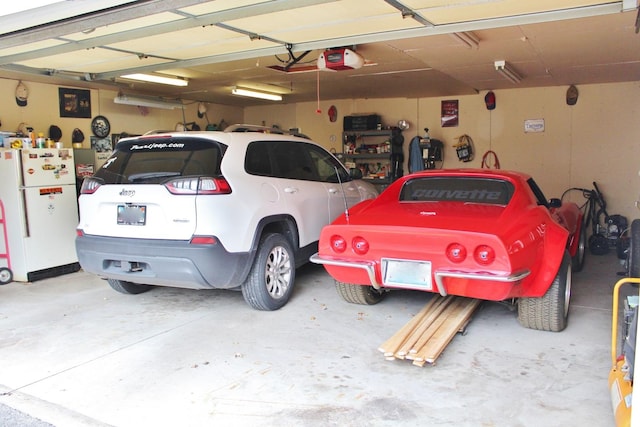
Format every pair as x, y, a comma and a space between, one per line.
427, 334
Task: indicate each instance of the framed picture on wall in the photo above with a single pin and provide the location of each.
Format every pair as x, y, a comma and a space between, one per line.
75, 103
449, 113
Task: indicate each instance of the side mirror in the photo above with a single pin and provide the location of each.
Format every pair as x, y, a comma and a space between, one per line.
555, 203
355, 173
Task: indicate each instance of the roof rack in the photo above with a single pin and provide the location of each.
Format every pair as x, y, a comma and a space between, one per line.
262, 129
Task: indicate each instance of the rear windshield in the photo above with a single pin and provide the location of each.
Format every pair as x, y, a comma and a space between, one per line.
152, 161
457, 189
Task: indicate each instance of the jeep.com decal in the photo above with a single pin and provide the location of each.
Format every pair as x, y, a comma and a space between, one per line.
156, 146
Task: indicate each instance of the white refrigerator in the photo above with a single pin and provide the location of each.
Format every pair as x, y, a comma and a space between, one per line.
40, 212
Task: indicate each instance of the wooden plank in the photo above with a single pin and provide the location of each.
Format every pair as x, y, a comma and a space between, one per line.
447, 331
390, 346
432, 316
425, 336
435, 326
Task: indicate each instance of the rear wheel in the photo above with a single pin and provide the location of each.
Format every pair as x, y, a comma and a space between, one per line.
551, 311
359, 294
128, 287
270, 281
634, 249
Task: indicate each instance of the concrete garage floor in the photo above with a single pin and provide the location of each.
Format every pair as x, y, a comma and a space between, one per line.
76, 353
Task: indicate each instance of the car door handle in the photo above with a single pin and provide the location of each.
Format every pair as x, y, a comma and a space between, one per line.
290, 190
333, 190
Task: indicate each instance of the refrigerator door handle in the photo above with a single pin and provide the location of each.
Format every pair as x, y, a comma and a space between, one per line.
23, 200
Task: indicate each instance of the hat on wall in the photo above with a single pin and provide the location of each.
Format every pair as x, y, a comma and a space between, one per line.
21, 94
490, 100
55, 133
572, 95
202, 109
77, 135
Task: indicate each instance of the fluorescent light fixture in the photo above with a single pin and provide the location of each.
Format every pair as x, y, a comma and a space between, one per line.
469, 38
156, 78
146, 102
256, 94
507, 71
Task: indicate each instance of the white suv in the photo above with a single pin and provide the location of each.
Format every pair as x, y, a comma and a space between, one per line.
239, 209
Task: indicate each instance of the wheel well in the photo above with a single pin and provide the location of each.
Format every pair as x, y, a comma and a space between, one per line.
281, 224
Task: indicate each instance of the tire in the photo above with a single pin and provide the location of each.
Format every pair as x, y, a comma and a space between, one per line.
270, 282
6, 276
634, 249
359, 294
551, 311
577, 261
128, 287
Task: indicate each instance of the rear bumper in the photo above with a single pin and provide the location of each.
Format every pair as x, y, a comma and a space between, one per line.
163, 262
493, 286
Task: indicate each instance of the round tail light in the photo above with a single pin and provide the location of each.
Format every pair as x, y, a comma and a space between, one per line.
338, 243
360, 245
484, 255
456, 252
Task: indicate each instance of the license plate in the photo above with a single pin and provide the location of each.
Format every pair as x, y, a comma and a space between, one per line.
132, 214
407, 274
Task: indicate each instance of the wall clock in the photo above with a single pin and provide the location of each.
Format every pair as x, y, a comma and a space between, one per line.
100, 126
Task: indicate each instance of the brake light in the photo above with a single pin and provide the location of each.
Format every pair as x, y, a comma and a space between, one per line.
203, 240
90, 185
484, 255
456, 252
360, 245
202, 185
338, 243
79, 232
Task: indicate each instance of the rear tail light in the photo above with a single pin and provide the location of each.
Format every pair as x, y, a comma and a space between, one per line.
90, 185
203, 240
338, 243
202, 185
360, 245
456, 252
484, 255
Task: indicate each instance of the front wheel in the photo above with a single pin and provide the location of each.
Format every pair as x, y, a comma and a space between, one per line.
270, 281
551, 311
130, 288
359, 294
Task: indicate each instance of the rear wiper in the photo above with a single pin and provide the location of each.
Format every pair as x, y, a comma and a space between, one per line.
151, 175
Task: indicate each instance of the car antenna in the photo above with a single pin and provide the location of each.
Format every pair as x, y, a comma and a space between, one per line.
344, 197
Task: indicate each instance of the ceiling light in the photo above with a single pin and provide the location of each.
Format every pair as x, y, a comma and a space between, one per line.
155, 78
256, 94
507, 71
469, 38
146, 102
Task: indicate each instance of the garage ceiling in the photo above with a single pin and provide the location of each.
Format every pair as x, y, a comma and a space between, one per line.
410, 46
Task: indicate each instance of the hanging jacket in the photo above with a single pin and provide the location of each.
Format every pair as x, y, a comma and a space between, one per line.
416, 163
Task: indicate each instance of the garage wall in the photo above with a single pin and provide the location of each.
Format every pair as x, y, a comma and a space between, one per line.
42, 111
598, 139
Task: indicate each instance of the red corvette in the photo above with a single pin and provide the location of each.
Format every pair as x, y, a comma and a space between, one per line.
485, 234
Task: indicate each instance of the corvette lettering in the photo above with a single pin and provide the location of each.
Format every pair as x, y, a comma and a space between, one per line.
469, 195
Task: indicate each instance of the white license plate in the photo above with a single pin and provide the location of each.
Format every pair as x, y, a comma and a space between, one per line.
132, 214
406, 274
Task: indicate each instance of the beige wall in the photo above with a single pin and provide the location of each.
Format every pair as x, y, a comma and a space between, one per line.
42, 111
598, 139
